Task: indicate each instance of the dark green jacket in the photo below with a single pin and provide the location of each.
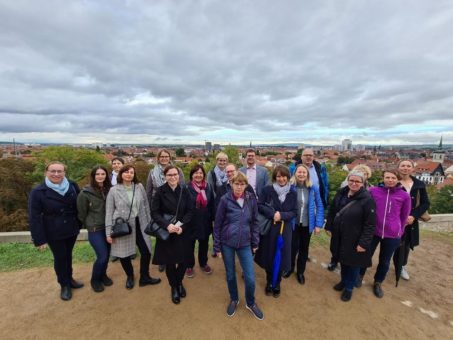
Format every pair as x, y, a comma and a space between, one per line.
91, 209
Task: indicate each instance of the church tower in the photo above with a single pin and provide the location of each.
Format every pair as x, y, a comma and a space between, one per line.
439, 154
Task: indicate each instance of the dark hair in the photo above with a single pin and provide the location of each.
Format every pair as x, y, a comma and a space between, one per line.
249, 151
106, 185
125, 168
195, 168
117, 159
161, 151
392, 171
169, 167
282, 170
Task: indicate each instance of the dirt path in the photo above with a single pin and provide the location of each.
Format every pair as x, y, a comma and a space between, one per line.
31, 308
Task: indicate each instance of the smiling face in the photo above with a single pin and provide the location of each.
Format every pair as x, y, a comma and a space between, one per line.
250, 158
164, 159
230, 171
405, 168
116, 165
55, 173
354, 183
221, 162
301, 175
390, 180
281, 180
198, 176
100, 177
128, 176
172, 177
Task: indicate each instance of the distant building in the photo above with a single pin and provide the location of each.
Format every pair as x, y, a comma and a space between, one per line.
208, 146
430, 172
439, 154
216, 147
346, 145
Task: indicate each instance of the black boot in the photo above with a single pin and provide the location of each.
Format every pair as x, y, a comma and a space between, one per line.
161, 268
145, 279
66, 293
130, 282
106, 281
182, 291
76, 284
175, 298
97, 286
377, 290
276, 290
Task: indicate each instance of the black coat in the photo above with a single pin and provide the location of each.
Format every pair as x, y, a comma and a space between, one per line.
165, 201
52, 216
411, 232
288, 210
351, 227
201, 223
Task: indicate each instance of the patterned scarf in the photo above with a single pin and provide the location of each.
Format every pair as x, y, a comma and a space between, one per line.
158, 176
201, 201
221, 176
61, 188
281, 191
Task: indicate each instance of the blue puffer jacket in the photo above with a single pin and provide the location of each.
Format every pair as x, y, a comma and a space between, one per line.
315, 208
234, 226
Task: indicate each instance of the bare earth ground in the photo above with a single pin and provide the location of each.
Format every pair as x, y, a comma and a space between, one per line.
31, 309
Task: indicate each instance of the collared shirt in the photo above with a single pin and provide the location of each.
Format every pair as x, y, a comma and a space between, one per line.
251, 176
114, 175
313, 176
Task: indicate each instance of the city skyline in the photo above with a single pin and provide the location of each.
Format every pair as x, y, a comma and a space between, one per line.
307, 72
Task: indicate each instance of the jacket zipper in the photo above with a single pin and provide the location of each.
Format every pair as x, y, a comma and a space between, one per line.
385, 212
240, 225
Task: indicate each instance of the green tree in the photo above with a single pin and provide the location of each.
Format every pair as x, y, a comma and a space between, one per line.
233, 154
180, 152
78, 161
442, 201
336, 176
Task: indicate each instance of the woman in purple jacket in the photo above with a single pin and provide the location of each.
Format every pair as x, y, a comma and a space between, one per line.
393, 206
236, 232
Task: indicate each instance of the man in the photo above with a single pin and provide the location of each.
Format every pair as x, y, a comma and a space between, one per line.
257, 176
117, 164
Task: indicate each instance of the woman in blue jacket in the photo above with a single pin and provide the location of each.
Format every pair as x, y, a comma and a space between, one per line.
236, 232
52, 210
310, 218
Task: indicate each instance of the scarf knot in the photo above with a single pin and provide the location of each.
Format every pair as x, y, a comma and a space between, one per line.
201, 200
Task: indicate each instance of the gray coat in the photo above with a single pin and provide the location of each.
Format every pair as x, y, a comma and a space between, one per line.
118, 205
262, 178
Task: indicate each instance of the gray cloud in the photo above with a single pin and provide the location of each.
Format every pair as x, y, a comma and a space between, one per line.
220, 70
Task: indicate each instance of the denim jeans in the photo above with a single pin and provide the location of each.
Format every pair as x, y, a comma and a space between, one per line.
246, 261
388, 247
101, 247
349, 276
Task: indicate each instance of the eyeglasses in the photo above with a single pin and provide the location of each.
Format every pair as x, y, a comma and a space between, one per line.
239, 184
55, 172
307, 155
354, 182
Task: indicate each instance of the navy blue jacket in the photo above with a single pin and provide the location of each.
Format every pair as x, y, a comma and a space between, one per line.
52, 216
234, 226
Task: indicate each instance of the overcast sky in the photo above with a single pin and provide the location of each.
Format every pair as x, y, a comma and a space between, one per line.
378, 72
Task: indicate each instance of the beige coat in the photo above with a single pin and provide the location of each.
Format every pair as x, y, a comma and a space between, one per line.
118, 205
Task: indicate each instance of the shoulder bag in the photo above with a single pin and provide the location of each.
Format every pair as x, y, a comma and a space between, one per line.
122, 227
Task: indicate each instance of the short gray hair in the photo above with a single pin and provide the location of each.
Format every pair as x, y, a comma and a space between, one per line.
357, 174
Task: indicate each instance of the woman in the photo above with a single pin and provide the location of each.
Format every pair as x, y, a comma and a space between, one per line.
351, 219
279, 203
52, 209
156, 178
203, 196
393, 206
173, 199
128, 200
310, 218
366, 171
91, 212
420, 204
236, 232
217, 177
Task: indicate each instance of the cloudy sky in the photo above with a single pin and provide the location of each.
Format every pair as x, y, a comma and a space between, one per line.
378, 72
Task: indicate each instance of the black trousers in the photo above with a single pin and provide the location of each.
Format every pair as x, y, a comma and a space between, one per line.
202, 253
145, 255
299, 247
62, 259
175, 273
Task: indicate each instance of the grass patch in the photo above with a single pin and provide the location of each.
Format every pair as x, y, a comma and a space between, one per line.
436, 235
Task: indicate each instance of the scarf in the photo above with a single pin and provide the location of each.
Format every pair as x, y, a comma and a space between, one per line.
201, 200
61, 188
158, 176
220, 176
281, 191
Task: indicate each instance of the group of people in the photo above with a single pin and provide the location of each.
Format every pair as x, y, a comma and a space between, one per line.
233, 206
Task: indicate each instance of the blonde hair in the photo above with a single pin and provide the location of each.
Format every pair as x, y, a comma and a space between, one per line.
307, 182
54, 162
365, 169
240, 177
221, 155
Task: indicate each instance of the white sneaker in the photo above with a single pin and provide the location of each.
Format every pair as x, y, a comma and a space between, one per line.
404, 274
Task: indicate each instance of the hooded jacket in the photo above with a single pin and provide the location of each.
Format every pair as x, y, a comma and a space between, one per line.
393, 206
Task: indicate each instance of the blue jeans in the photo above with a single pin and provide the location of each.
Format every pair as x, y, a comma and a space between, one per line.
349, 276
388, 247
246, 261
99, 243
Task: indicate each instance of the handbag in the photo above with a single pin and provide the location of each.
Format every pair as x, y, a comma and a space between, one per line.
264, 224
122, 227
425, 217
153, 229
